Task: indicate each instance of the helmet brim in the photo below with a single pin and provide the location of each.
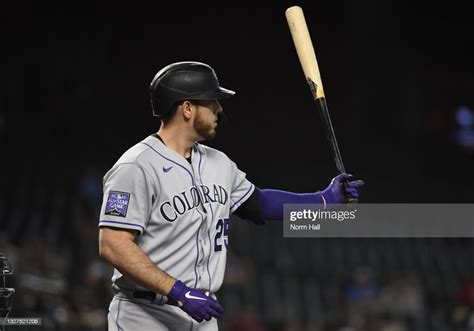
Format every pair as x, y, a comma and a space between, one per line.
220, 93
225, 93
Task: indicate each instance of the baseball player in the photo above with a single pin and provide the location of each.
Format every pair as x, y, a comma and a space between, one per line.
164, 221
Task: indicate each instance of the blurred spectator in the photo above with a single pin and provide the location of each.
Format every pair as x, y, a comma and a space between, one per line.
361, 297
463, 313
248, 321
402, 300
465, 293
238, 271
363, 290
90, 187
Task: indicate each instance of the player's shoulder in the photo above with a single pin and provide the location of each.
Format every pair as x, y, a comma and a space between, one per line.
212, 153
136, 158
136, 154
133, 155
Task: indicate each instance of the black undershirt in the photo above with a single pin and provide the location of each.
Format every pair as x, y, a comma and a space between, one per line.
249, 210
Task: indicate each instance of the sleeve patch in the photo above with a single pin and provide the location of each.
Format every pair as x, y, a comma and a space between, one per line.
117, 203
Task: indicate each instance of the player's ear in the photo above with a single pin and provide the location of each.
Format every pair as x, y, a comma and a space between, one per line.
187, 108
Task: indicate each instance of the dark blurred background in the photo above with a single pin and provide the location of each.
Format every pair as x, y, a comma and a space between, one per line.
398, 77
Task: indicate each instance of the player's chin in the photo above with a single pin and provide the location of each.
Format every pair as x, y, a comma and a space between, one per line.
211, 135
208, 134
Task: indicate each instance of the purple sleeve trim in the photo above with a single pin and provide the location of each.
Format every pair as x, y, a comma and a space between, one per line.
124, 223
242, 197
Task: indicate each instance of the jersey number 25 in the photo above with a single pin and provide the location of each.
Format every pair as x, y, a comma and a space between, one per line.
222, 228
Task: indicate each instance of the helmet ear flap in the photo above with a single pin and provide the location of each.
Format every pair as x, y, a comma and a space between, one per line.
153, 97
154, 104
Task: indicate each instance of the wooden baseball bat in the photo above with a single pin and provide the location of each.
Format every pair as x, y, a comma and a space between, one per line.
307, 56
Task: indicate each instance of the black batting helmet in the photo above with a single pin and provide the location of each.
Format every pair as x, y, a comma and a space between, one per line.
184, 81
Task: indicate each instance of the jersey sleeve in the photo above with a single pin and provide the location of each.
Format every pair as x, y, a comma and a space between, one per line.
127, 198
241, 188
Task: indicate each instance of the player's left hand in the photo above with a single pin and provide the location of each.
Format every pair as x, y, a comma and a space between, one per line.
341, 189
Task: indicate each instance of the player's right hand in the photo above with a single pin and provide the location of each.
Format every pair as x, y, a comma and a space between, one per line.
197, 304
336, 192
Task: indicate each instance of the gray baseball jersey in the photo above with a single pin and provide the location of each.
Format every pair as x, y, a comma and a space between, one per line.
180, 209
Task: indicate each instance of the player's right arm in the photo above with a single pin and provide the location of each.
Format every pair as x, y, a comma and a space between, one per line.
128, 197
117, 246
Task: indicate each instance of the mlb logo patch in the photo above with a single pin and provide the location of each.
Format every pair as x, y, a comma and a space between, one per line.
117, 203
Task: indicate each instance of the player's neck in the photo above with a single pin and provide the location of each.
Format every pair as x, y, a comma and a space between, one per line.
176, 141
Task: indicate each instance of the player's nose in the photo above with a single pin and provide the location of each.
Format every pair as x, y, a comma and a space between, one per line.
219, 108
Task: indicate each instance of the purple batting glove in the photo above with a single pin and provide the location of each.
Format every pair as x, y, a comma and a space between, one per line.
197, 304
341, 189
